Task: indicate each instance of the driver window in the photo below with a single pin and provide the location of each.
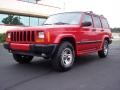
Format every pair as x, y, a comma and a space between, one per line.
88, 18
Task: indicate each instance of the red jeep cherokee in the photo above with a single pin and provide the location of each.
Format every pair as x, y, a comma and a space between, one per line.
62, 37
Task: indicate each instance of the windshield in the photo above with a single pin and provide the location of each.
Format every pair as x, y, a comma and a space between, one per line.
64, 18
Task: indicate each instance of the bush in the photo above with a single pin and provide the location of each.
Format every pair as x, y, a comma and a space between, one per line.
116, 30
2, 38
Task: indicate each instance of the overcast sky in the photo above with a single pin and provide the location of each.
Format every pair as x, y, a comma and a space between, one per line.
108, 8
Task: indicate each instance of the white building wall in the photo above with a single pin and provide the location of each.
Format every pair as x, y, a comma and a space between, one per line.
3, 28
15, 6
25, 8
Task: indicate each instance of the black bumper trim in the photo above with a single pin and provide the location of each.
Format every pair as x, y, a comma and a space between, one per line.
6, 46
35, 49
49, 50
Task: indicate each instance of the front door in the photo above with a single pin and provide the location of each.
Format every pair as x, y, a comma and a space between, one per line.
86, 42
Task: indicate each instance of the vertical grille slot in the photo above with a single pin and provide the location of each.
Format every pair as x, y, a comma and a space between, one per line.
24, 35
28, 36
17, 36
33, 36
20, 36
14, 36
11, 36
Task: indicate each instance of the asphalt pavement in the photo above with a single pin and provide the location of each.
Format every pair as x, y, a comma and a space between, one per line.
89, 73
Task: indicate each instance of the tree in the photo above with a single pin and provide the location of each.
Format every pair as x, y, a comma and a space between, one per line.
11, 19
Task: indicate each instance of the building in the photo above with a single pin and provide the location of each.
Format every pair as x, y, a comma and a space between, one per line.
28, 12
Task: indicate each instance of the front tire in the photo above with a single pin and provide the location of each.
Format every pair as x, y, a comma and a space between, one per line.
22, 59
64, 57
105, 50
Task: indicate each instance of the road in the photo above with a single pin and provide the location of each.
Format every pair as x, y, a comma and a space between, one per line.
89, 73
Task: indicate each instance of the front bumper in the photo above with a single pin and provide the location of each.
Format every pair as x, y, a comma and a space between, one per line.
34, 49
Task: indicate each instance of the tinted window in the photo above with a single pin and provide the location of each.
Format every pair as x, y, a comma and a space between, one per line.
21, 20
41, 21
34, 21
88, 18
97, 22
31, 1
24, 20
104, 23
2, 17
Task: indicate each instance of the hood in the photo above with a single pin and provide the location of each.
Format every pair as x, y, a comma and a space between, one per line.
45, 27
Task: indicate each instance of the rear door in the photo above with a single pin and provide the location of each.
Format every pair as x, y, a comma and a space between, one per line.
97, 32
106, 28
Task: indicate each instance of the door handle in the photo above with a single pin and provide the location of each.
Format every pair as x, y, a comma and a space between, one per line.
93, 29
102, 30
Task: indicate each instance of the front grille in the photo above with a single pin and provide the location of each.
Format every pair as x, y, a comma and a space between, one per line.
23, 36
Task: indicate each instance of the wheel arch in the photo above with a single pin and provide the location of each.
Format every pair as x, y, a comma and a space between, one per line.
105, 38
69, 39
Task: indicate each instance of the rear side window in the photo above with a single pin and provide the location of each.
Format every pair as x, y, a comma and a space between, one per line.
97, 22
88, 18
104, 23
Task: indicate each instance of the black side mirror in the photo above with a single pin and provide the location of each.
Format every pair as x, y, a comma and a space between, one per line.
86, 24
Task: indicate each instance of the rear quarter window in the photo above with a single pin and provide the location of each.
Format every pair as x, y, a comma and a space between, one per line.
97, 22
104, 23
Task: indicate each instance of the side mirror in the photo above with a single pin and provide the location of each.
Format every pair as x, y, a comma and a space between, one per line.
86, 24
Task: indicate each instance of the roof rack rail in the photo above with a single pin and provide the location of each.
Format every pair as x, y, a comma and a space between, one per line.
102, 15
89, 11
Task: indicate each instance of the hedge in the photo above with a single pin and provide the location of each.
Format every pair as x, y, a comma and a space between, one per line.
2, 38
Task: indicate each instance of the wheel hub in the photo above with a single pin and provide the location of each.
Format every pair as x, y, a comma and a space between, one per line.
67, 57
106, 48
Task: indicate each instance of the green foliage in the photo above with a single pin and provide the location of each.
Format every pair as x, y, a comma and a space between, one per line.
115, 30
2, 38
11, 19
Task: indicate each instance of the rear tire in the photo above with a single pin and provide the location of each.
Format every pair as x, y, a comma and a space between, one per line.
105, 50
22, 59
64, 57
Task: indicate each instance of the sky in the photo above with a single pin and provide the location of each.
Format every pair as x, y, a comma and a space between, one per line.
108, 8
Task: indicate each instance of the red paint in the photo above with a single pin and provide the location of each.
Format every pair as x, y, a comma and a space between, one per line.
83, 36
21, 47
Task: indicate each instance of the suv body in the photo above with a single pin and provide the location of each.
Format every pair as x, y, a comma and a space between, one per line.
62, 37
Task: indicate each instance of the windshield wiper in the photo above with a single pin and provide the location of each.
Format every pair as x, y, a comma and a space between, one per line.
57, 23
60, 23
47, 24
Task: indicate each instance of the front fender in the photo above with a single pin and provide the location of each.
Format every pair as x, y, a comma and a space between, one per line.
60, 37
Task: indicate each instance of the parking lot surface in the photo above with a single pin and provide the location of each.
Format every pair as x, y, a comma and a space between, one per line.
89, 73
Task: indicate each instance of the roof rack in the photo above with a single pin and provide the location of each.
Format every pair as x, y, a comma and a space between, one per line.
89, 11
102, 15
